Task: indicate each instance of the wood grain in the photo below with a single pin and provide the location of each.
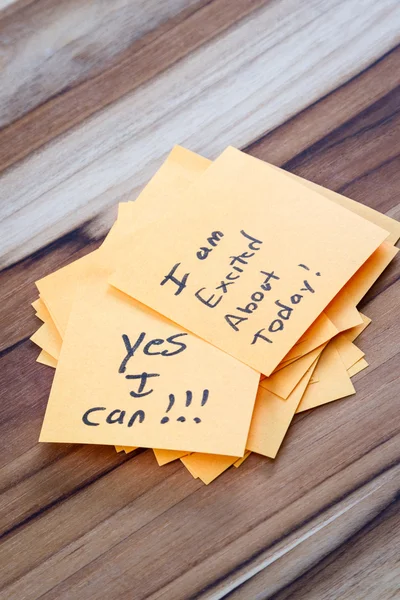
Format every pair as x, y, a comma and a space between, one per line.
310, 86
111, 154
50, 47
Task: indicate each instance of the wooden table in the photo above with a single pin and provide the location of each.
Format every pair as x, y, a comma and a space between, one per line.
93, 95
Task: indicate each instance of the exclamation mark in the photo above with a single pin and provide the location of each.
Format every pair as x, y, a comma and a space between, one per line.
170, 405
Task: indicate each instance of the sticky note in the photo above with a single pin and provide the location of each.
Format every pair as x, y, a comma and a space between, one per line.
357, 367
191, 471
46, 359
283, 382
272, 416
390, 225
54, 290
354, 332
342, 312
241, 460
368, 273
348, 352
207, 467
129, 377
127, 449
164, 457
48, 338
321, 331
334, 382
245, 269
41, 310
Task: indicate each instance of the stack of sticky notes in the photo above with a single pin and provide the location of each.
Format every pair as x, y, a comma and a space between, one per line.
222, 302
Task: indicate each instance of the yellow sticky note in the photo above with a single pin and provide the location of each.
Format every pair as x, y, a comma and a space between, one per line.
348, 352
46, 359
357, 367
366, 276
283, 382
241, 460
334, 381
390, 225
321, 331
342, 312
207, 467
57, 290
41, 310
179, 170
127, 449
164, 457
129, 377
191, 471
354, 332
272, 416
251, 262
48, 338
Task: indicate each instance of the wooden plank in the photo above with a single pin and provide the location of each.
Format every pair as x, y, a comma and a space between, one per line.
98, 85
327, 534
7, 7
366, 566
331, 112
113, 153
51, 46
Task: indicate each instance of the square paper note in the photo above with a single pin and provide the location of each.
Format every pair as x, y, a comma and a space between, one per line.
129, 377
247, 259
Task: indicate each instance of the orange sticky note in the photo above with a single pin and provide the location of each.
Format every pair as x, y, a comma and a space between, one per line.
125, 449
272, 416
282, 382
357, 367
366, 276
48, 338
207, 467
348, 352
46, 359
164, 457
241, 460
342, 312
354, 332
321, 331
251, 262
334, 381
390, 225
129, 377
57, 290
41, 310
191, 471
